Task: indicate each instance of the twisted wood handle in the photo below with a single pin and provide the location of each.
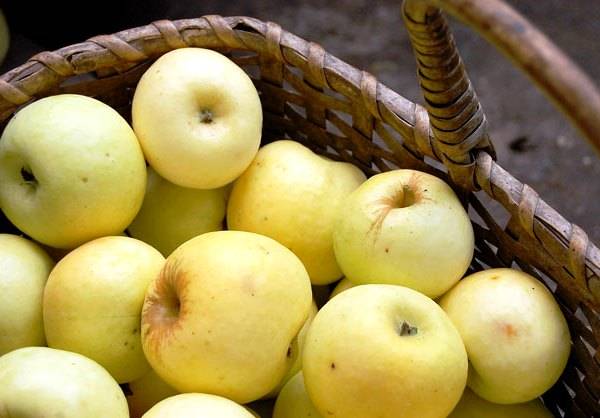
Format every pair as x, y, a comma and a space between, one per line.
457, 121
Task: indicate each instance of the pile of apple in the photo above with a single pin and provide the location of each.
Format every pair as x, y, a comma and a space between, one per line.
169, 268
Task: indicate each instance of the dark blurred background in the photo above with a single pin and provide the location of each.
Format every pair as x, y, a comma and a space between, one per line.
534, 142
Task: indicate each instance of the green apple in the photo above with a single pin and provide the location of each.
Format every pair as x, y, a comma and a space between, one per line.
4, 37
71, 170
294, 402
515, 334
295, 352
198, 117
171, 214
404, 227
24, 269
40, 382
342, 285
292, 195
383, 351
472, 406
146, 392
197, 405
93, 302
222, 313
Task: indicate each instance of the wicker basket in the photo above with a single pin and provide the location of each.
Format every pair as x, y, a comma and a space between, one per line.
314, 98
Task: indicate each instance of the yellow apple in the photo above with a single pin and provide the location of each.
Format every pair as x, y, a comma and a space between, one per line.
222, 313
24, 269
472, 406
404, 227
40, 382
197, 405
515, 334
4, 37
71, 170
293, 401
383, 351
295, 352
343, 284
93, 302
198, 117
171, 214
146, 392
292, 195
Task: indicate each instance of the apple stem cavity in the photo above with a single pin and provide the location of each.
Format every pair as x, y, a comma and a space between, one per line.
407, 330
407, 198
28, 176
206, 116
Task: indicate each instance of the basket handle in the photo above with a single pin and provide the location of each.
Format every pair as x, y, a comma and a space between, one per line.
458, 124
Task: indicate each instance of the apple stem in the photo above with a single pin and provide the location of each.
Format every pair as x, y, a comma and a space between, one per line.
206, 116
407, 329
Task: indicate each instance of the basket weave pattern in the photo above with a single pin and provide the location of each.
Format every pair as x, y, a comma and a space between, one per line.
313, 97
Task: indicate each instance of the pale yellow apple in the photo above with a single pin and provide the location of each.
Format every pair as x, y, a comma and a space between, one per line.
71, 170
515, 334
4, 37
24, 269
383, 351
294, 402
472, 406
40, 382
293, 195
343, 284
404, 227
197, 405
171, 214
146, 392
295, 352
198, 117
93, 302
223, 312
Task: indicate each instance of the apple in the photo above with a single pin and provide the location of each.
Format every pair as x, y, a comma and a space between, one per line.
44, 382
404, 227
294, 402
295, 352
515, 334
292, 195
472, 406
342, 285
383, 351
93, 302
71, 170
171, 215
146, 392
198, 117
222, 313
4, 37
24, 268
196, 405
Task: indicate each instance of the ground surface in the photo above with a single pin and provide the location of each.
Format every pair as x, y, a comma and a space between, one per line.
545, 153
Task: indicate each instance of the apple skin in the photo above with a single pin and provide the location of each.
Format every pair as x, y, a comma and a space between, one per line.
4, 37
294, 402
88, 171
343, 284
292, 195
221, 315
198, 117
472, 406
93, 302
44, 382
195, 405
146, 392
404, 227
383, 351
24, 268
515, 334
171, 214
